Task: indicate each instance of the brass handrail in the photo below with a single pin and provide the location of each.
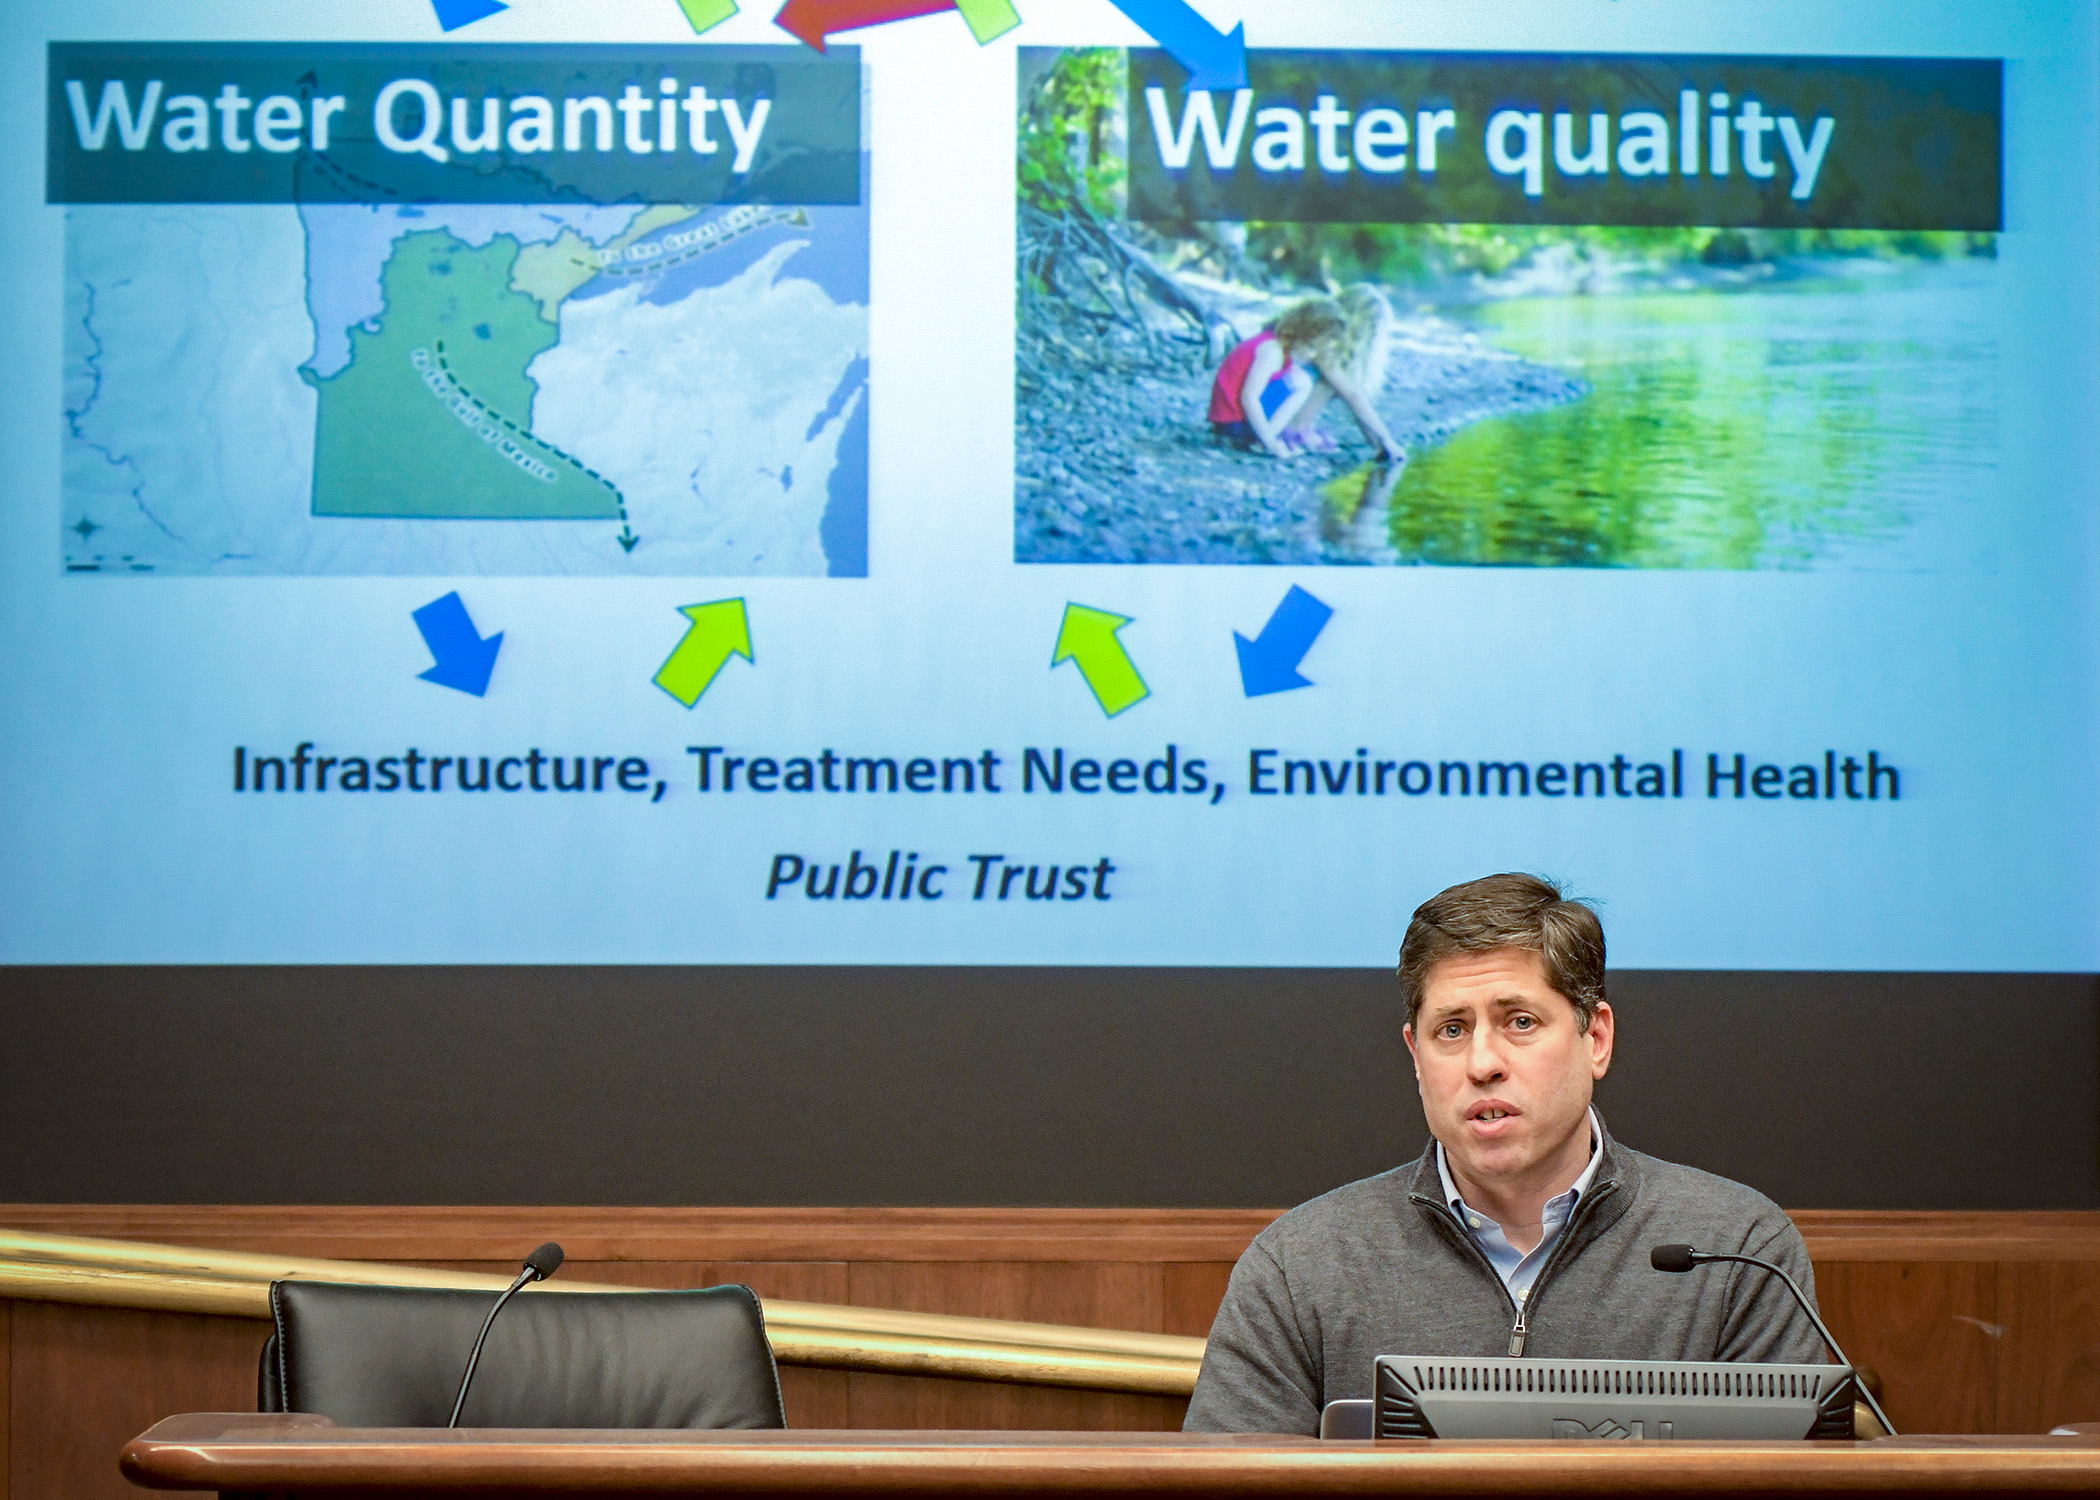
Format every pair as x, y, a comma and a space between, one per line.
232, 1283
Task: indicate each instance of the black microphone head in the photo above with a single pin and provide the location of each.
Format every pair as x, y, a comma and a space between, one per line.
546, 1260
1673, 1257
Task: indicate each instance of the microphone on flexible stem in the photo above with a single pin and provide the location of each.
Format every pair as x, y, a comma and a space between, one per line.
1684, 1257
539, 1265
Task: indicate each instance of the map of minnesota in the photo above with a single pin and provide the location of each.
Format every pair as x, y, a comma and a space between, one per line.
624, 333
581, 390
431, 417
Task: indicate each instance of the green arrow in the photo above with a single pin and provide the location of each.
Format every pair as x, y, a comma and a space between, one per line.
707, 14
719, 631
1088, 637
989, 18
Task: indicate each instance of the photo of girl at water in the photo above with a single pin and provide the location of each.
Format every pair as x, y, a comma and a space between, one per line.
1677, 397
1271, 389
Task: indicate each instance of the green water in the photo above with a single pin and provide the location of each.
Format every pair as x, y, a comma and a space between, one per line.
1845, 419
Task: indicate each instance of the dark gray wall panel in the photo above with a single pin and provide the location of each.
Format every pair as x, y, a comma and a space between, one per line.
985, 1086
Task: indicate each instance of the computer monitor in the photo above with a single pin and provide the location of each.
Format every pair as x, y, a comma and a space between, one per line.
1431, 1395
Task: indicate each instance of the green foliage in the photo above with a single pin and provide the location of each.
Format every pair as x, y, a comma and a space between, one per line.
1069, 146
1405, 254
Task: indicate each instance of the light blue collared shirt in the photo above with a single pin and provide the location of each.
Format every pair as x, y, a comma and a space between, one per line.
1517, 1269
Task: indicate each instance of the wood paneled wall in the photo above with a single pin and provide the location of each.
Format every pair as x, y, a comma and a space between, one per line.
1975, 1322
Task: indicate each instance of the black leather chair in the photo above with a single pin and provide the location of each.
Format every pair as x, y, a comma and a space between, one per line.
390, 1356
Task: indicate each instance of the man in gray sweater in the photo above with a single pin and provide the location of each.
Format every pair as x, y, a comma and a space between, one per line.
1525, 1228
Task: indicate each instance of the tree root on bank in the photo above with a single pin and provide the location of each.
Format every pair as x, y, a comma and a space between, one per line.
1085, 267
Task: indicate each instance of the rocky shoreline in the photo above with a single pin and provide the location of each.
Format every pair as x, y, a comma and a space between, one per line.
1115, 462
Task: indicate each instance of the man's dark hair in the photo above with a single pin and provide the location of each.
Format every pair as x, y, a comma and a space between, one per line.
1508, 911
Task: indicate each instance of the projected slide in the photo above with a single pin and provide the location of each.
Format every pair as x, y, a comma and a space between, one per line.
1083, 484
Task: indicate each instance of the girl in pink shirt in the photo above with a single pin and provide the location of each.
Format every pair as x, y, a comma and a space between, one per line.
1271, 389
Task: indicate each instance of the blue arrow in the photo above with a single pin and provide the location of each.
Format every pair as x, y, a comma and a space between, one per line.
453, 14
464, 659
1215, 59
1269, 662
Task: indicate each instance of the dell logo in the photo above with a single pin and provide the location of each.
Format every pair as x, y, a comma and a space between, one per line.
1568, 1427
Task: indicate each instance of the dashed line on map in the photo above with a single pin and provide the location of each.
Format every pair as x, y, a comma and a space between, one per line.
437, 375
651, 256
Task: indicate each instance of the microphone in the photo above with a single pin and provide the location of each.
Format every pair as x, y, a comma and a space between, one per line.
1684, 1257
545, 1261
539, 1265
1673, 1257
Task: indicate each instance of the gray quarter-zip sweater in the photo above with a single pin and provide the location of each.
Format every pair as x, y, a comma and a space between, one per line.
1383, 1266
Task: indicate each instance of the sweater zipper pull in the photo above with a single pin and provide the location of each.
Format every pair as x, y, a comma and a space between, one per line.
1520, 1330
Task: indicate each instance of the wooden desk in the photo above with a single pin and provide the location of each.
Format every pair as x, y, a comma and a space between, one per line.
239, 1451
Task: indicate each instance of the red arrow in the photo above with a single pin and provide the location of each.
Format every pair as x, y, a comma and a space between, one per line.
813, 20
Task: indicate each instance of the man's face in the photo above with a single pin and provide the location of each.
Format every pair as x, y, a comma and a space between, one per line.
1504, 1067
